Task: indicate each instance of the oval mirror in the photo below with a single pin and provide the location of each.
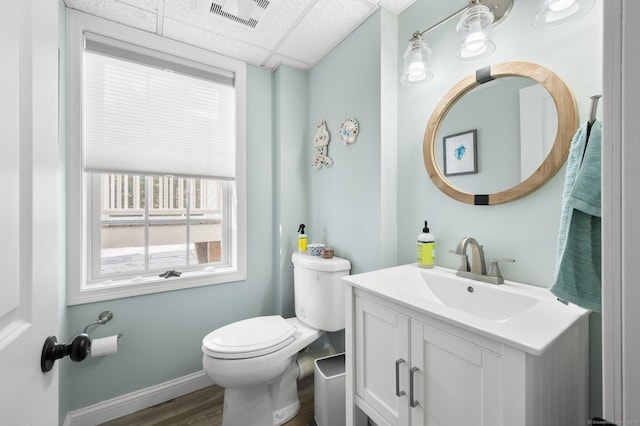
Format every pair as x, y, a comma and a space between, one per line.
499, 134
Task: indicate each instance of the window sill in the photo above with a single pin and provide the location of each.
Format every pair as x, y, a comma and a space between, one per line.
118, 289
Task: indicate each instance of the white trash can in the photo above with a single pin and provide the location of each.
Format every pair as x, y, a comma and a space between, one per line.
329, 391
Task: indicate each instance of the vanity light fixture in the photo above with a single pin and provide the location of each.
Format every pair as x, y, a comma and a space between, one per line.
474, 38
474, 33
551, 13
417, 62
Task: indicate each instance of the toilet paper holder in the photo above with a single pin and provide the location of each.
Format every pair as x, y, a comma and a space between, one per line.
103, 318
77, 350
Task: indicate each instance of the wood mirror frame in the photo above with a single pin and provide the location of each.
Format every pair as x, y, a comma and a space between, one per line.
567, 125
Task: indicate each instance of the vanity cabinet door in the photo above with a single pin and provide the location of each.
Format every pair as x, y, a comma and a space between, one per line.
382, 360
454, 381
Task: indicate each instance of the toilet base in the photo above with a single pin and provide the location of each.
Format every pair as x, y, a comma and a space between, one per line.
271, 404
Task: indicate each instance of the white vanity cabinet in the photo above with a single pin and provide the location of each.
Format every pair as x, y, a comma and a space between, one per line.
382, 354
455, 382
406, 367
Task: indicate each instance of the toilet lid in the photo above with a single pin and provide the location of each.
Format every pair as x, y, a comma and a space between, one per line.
249, 338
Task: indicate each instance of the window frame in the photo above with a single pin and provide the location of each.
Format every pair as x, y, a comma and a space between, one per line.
78, 263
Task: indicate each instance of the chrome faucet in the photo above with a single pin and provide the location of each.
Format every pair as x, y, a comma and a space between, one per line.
478, 269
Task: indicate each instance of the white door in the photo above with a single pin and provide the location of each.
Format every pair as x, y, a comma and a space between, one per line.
620, 211
28, 209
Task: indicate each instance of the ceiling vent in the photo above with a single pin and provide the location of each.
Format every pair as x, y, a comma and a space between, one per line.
244, 12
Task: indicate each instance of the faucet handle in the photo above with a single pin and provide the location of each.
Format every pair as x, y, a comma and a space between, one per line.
494, 269
505, 259
464, 261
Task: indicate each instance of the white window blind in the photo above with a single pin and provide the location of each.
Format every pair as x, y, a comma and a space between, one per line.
149, 113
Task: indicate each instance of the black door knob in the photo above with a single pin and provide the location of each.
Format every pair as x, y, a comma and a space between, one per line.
52, 350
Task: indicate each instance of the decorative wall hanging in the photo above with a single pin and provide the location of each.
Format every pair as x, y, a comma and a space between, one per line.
460, 156
321, 142
349, 131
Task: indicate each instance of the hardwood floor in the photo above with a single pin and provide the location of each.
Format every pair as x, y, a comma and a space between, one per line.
204, 407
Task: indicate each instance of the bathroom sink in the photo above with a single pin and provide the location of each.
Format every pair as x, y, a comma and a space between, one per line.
525, 316
486, 300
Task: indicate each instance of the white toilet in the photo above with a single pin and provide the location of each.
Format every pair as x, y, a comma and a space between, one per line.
255, 360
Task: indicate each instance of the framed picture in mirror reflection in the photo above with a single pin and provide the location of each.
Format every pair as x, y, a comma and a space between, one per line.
460, 153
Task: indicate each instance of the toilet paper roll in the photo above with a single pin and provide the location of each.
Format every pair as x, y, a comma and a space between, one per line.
104, 346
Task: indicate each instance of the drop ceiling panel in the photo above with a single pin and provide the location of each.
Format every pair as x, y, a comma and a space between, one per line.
297, 33
279, 17
275, 61
117, 11
148, 5
208, 40
327, 23
395, 6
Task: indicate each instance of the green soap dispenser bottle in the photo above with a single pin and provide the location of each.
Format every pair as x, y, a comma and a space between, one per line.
302, 239
426, 244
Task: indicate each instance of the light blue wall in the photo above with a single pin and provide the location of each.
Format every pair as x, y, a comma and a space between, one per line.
163, 332
352, 205
290, 199
525, 229
345, 199
345, 202
369, 206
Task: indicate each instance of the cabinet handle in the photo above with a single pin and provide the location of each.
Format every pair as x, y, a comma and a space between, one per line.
412, 402
398, 391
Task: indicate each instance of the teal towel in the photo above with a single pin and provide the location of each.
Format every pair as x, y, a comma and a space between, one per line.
585, 195
578, 270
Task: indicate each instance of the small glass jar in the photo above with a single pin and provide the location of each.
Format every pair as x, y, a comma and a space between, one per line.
326, 253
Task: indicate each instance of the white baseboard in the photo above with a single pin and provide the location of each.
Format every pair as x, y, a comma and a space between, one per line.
138, 400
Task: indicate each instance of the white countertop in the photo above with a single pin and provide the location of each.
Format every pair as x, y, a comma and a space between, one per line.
524, 316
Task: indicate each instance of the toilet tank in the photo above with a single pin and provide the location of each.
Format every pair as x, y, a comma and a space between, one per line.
319, 290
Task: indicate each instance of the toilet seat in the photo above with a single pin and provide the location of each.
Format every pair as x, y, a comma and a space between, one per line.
249, 338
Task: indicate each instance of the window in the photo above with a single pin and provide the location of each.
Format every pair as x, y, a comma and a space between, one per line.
155, 170
157, 223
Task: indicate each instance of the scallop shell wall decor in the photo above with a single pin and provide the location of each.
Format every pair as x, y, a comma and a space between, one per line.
349, 131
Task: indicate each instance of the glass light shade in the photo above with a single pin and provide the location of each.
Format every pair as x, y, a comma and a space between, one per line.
474, 34
417, 62
556, 12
